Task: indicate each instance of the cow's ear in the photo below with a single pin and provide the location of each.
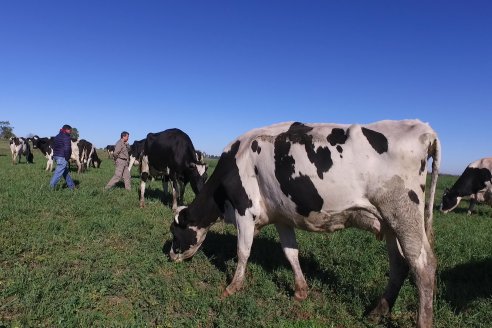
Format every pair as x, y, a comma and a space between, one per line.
181, 216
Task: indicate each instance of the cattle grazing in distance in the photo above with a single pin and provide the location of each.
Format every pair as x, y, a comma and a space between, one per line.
172, 153
18, 147
322, 178
136, 153
475, 182
110, 150
44, 145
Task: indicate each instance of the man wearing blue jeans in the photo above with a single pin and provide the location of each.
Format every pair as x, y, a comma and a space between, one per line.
62, 150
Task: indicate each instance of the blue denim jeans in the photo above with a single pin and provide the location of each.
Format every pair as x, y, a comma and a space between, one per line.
61, 170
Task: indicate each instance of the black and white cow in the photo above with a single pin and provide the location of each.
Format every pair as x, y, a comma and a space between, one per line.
325, 177
136, 153
84, 154
18, 147
110, 150
44, 145
475, 182
172, 153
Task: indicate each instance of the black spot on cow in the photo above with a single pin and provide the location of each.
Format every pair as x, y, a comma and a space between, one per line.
422, 186
377, 140
337, 136
423, 166
339, 149
255, 147
413, 197
301, 190
321, 157
256, 170
231, 187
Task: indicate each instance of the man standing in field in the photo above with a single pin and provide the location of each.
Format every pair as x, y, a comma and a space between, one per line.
62, 150
121, 157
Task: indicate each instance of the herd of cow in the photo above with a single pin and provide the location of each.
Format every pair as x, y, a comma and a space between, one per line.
83, 152
315, 177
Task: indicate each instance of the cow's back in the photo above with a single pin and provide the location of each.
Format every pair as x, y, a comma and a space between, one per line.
302, 168
171, 149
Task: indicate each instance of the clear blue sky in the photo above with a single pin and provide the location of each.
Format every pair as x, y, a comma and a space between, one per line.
217, 69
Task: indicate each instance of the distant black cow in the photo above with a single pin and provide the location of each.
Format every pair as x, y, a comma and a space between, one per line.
110, 150
475, 182
44, 145
172, 152
136, 153
19, 147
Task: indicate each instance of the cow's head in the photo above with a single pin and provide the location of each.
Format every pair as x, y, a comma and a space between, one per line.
35, 141
449, 201
187, 237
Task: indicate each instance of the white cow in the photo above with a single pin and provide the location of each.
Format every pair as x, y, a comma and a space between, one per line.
325, 177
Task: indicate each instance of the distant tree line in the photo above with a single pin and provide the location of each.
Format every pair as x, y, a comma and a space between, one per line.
6, 131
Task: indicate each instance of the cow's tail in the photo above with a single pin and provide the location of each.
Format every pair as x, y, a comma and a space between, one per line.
434, 151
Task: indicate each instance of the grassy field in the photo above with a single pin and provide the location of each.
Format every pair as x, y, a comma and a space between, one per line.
92, 258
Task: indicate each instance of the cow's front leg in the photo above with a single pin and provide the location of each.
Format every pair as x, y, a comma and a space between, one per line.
245, 233
289, 245
471, 208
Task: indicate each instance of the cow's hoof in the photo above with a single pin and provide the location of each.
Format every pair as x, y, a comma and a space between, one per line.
225, 294
380, 311
300, 295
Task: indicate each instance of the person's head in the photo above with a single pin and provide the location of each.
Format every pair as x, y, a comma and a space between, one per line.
125, 135
66, 129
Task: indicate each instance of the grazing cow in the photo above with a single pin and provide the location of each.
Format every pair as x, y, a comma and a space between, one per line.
475, 182
44, 145
325, 177
171, 152
18, 147
110, 150
136, 153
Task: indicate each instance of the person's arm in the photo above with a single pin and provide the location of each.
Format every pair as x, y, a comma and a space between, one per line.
117, 149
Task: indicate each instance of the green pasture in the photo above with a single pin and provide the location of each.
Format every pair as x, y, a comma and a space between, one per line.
88, 258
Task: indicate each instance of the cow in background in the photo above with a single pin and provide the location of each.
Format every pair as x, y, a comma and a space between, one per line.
136, 153
475, 182
88, 154
84, 154
323, 178
94, 159
44, 145
172, 153
18, 147
110, 150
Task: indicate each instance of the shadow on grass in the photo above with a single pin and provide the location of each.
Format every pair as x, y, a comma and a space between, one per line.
165, 198
467, 282
266, 252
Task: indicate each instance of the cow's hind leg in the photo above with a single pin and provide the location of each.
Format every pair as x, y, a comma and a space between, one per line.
289, 245
245, 233
398, 273
420, 258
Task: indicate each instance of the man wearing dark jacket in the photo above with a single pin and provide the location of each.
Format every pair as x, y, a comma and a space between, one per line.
62, 150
